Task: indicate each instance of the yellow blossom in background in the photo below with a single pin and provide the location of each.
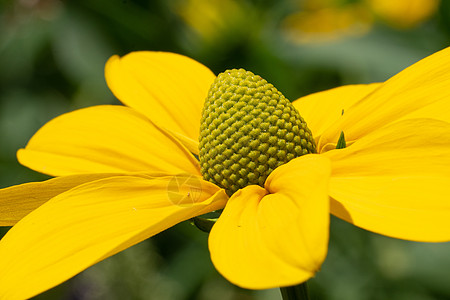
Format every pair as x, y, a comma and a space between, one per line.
325, 24
211, 19
125, 173
404, 14
328, 20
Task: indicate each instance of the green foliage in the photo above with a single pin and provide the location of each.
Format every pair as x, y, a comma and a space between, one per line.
52, 55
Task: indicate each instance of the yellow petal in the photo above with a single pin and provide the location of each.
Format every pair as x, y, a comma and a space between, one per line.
321, 110
276, 236
105, 139
420, 91
19, 200
396, 181
168, 88
93, 221
190, 144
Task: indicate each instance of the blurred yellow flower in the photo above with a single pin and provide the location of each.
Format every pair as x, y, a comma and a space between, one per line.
126, 173
211, 19
326, 24
403, 14
328, 20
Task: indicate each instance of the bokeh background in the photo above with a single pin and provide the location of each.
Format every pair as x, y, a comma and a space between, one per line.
52, 55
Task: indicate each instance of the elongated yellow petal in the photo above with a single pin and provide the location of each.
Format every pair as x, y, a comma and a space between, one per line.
396, 181
276, 236
420, 91
190, 144
19, 200
104, 139
92, 222
321, 110
168, 88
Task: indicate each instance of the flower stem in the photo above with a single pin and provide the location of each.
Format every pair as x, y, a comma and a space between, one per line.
296, 292
203, 224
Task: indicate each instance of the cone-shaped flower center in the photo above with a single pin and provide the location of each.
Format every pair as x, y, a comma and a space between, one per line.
248, 128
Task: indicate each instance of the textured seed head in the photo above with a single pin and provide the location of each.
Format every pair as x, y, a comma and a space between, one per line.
248, 128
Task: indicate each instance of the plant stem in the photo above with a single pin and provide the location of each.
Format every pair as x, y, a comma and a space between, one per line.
296, 292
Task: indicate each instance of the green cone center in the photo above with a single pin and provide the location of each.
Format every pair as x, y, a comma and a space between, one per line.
248, 128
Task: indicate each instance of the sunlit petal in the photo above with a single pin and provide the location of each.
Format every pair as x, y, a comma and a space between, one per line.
19, 200
276, 236
92, 222
320, 110
168, 88
396, 181
420, 91
104, 139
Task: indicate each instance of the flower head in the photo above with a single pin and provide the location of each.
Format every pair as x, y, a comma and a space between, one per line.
126, 173
248, 129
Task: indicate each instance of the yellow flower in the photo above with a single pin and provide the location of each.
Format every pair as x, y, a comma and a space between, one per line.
123, 174
404, 14
329, 20
211, 20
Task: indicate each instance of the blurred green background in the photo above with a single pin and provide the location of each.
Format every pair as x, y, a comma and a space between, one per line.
52, 55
